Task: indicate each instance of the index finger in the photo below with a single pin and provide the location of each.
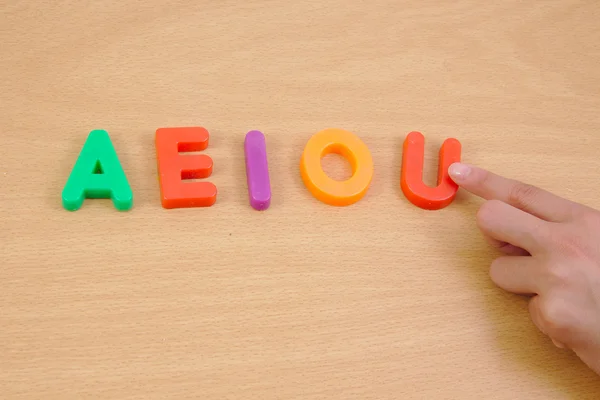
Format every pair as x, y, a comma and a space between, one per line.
528, 198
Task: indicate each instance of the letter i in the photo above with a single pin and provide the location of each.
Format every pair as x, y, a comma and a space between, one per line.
257, 170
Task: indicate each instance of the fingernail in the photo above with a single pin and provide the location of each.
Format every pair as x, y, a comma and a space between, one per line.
558, 344
459, 171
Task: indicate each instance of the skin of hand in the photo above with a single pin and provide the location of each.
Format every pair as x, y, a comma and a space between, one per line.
551, 249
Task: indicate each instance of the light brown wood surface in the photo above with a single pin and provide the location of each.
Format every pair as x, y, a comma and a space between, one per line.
380, 300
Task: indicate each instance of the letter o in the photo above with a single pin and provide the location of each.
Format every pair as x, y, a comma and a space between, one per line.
326, 189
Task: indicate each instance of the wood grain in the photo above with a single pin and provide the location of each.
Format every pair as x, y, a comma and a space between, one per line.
380, 300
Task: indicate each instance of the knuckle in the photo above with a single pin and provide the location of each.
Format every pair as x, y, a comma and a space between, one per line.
574, 246
484, 178
556, 317
559, 275
522, 195
487, 212
570, 243
580, 212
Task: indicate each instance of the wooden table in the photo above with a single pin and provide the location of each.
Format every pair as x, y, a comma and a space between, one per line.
379, 300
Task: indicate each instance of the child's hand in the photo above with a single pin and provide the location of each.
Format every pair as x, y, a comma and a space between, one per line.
552, 248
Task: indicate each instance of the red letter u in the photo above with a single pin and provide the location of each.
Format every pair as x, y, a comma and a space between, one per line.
411, 181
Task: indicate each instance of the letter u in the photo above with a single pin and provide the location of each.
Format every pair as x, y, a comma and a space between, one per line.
411, 181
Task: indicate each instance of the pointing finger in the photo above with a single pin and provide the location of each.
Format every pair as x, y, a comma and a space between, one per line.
530, 199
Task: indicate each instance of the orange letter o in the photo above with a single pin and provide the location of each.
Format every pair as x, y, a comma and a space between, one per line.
325, 189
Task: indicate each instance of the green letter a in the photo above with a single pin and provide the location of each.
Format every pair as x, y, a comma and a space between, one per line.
97, 174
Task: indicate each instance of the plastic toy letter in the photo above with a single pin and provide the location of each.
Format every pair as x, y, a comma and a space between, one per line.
411, 181
174, 168
257, 170
330, 191
97, 174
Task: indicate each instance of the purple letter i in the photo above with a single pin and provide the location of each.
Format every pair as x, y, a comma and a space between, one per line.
257, 170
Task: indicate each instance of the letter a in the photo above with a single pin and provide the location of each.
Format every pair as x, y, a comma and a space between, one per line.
97, 174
